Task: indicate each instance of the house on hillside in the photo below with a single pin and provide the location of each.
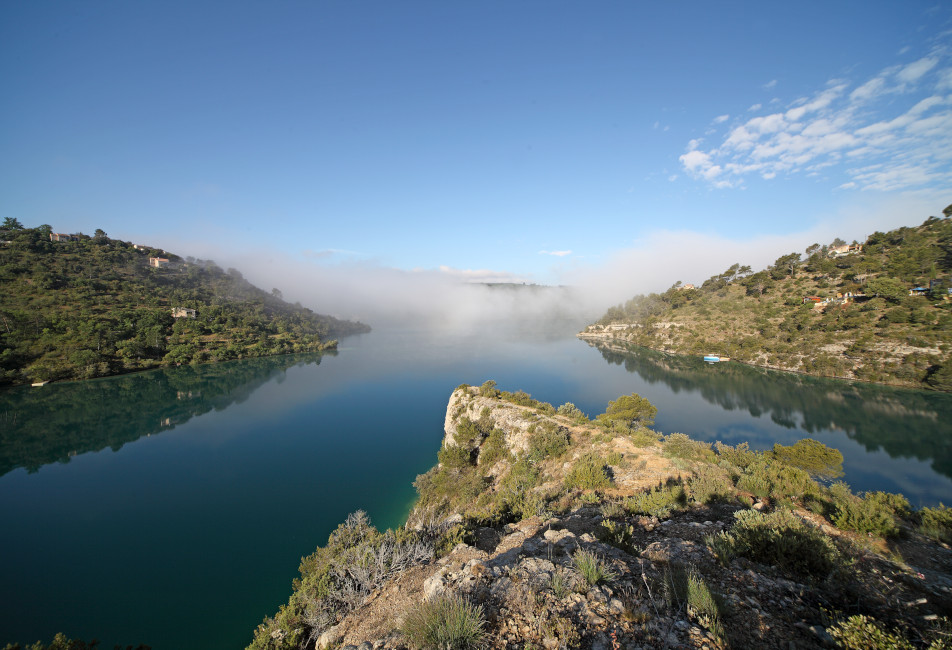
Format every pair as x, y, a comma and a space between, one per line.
59, 236
685, 287
846, 249
812, 299
158, 262
918, 291
183, 312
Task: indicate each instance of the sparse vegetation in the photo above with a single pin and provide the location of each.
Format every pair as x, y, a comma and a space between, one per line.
445, 623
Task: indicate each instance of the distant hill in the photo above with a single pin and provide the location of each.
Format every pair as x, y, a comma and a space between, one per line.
84, 307
877, 311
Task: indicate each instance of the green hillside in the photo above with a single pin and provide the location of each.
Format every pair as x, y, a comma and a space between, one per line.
878, 311
94, 306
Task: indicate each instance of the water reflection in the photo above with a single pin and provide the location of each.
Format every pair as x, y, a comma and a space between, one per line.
59, 421
903, 423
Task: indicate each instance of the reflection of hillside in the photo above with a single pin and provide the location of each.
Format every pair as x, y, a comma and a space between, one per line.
901, 422
40, 426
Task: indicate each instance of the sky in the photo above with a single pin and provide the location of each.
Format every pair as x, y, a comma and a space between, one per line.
365, 152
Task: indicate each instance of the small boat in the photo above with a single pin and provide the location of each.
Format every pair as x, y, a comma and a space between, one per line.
711, 358
39, 383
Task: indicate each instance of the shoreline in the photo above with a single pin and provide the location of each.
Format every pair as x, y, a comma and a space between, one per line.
608, 341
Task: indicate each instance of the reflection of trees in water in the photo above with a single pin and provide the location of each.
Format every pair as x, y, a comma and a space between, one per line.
53, 423
901, 422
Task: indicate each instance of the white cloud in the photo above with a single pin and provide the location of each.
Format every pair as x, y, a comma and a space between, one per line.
556, 253
721, 118
755, 107
901, 115
770, 84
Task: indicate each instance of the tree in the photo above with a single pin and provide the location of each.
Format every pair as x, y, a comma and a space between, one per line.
889, 288
9, 223
100, 235
785, 265
630, 411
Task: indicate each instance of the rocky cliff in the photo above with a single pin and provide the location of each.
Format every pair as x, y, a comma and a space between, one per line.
554, 532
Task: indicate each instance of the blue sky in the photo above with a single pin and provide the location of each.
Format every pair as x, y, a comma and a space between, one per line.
532, 141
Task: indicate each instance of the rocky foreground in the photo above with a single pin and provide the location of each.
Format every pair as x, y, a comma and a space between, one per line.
551, 531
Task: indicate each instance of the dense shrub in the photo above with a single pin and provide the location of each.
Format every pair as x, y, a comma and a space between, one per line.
618, 534
710, 484
862, 633
572, 412
863, 515
589, 473
936, 523
678, 445
812, 456
549, 442
779, 539
659, 502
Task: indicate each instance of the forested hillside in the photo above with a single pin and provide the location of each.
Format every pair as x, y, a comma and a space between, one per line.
878, 310
94, 306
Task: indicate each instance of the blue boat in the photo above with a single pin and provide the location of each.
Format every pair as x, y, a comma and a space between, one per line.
711, 358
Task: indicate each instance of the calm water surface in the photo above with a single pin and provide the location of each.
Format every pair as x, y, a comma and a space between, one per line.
172, 508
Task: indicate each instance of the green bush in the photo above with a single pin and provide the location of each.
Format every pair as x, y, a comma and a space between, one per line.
740, 456
936, 523
812, 456
588, 473
572, 412
659, 502
494, 448
851, 512
592, 568
862, 633
710, 484
445, 623
550, 442
678, 445
780, 539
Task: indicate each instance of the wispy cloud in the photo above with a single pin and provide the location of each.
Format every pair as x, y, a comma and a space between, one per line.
556, 253
326, 253
889, 132
770, 84
721, 118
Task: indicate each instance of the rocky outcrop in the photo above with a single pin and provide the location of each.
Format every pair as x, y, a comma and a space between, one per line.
660, 583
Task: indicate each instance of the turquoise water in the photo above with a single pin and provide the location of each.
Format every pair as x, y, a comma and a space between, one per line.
172, 507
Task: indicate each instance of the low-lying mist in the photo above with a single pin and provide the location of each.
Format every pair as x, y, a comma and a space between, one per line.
470, 301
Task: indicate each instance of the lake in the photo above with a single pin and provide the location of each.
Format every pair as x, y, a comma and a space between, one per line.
172, 507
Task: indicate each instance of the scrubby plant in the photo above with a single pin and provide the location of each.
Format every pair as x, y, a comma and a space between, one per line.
862, 515
588, 473
659, 502
740, 456
811, 456
686, 589
488, 389
549, 442
572, 412
678, 445
445, 623
494, 448
592, 568
618, 534
764, 479
936, 523
710, 484
614, 458
338, 577
779, 539
863, 633
561, 583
